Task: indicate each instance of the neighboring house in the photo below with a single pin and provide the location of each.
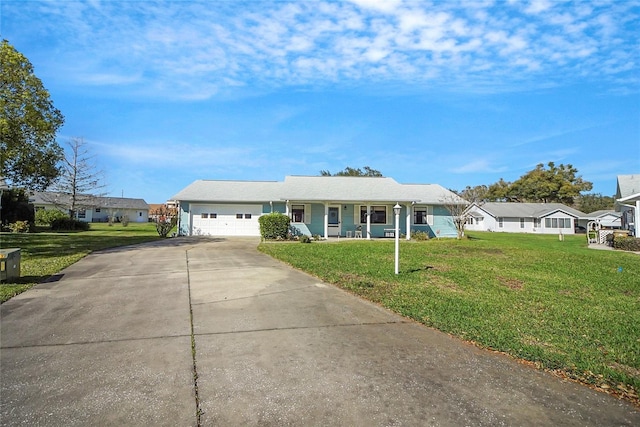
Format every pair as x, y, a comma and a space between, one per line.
628, 202
540, 218
94, 208
317, 205
606, 219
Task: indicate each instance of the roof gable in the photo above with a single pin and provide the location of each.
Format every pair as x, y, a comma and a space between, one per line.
628, 185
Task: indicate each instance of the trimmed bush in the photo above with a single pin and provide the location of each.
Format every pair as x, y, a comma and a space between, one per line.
68, 224
274, 226
627, 243
47, 216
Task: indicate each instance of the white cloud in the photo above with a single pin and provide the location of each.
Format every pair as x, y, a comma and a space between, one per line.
191, 50
478, 166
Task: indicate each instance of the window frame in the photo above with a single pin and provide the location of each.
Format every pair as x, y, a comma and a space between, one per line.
427, 217
374, 210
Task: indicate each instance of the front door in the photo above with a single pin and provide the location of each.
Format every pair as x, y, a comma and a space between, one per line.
334, 221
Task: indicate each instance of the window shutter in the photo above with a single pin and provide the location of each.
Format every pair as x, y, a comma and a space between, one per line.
307, 214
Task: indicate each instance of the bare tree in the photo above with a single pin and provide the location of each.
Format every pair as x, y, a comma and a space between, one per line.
80, 182
457, 207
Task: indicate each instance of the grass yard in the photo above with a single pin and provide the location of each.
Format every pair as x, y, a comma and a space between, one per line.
44, 254
559, 305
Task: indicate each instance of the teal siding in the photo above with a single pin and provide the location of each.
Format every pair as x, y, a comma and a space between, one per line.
442, 222
317, 219
277, 207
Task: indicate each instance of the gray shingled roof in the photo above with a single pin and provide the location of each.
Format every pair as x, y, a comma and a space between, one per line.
50, 197
527, 210
230, 191
314, 188
628, 185
597, 214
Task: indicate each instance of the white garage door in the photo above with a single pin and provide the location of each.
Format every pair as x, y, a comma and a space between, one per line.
225, 220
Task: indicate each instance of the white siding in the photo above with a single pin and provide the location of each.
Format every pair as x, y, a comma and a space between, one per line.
225, 220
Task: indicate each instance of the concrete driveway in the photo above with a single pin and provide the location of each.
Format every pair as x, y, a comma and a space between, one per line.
210, 332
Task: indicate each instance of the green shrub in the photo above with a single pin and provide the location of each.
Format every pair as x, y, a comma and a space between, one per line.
419, 235
47, 216
305, 239
68, 224
627, 243
19, 227
274, 226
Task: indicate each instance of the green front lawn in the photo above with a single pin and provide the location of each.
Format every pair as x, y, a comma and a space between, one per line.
559, 305
46, 253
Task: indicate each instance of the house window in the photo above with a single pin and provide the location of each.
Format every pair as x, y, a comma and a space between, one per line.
422, 215
469, 221
297, 213
204, 215
139, 213
500, 222
82, 213
378, 214
239, 216
247, 216
537, 222
97, 210
213, 215
521, 222
557, 222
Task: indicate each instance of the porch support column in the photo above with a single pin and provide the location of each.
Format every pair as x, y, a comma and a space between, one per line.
636, 220
326, 220
368, 222
286, 207
409, 207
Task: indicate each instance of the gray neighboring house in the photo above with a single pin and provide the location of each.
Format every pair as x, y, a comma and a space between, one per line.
606, 219
94, 208
509, 217
628, 202
317, 205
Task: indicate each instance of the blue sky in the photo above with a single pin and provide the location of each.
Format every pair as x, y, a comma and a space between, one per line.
454, 93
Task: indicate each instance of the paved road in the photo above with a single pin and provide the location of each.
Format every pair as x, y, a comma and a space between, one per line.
109, 342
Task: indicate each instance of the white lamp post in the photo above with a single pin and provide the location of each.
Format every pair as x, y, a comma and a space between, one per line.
396, 210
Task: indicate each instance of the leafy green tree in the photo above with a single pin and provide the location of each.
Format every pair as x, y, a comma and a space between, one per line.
29, 153
348, 171
475, 194
16, 207
559, 184
499, 192
588, 203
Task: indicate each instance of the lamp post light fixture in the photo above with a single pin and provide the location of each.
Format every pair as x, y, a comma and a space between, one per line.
396, 210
